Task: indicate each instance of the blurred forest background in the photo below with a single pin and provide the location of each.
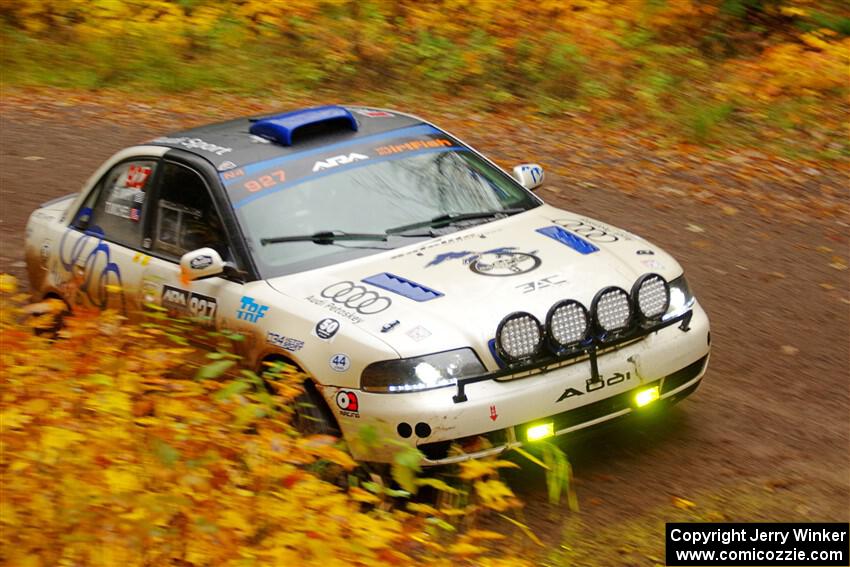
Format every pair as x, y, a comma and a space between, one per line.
739, 72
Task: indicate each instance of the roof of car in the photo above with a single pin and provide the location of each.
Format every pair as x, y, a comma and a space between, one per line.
229, 145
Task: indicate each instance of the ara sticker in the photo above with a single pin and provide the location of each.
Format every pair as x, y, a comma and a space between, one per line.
340, 362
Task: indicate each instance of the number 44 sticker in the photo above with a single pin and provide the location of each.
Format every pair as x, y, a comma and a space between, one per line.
340, 362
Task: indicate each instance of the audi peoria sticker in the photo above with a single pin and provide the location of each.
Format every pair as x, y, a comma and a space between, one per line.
352, 301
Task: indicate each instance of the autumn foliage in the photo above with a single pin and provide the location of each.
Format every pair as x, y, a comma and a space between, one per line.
689, 65
123, 445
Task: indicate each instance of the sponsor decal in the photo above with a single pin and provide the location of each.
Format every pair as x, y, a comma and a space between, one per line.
653, 264
368, 112
143, 259
412, 146
326, 329
499, 262
593, 231
183, 302
389, 326
403, 287
150, 291
347, 403
644, 252
258, 139
567, 238
250, 310
233, 174
535, 171
137, 175
286, 343
493, 415
592, 386
340, 362
201, 262
338, 160
542, 283
418, 333
194, 144
87, 262
44, 252
356, 297
450, 240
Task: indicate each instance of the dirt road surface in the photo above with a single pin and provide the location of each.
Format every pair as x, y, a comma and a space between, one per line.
764, 242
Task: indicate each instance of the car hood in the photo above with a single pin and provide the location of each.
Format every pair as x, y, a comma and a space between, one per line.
453, 291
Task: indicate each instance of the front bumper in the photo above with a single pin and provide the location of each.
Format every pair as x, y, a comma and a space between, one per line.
500, 410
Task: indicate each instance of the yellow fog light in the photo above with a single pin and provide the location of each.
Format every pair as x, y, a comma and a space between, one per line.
542, 431
645, 397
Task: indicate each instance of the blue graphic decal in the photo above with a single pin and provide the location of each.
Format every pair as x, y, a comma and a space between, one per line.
250, 310
95, 280
567, 238
402, 286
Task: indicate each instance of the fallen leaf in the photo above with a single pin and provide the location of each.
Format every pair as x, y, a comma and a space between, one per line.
683, 504
33, 158
729, 210
789, 350
694, 228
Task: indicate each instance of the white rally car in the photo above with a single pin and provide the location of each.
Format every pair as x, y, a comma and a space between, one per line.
423, 290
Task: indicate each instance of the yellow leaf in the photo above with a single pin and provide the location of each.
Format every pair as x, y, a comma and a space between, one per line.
235, 520
683, 504
360, 495
12, 418
8, 284
466, 549
483, 534
121, 481
477, 468
58, 438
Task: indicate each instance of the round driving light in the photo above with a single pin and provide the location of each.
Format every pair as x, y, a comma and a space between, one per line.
519, 336
567, 323
612, 309
652, 296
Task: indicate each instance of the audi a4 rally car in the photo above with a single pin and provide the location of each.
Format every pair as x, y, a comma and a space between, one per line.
423, 290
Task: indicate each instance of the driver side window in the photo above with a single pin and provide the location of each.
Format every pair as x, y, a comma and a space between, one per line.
185, 217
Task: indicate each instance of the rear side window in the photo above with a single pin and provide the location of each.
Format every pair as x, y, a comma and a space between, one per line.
117, 206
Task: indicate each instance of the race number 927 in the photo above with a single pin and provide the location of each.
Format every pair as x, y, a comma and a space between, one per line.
265, 181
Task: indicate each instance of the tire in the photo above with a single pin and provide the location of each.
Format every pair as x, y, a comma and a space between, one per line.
312, 414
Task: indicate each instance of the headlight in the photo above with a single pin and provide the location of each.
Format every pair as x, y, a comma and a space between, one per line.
519, 336
681, 298
652, 296
568, 323
612, 309
422, 372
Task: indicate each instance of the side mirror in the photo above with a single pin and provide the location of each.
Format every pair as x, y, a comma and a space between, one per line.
529, 175
201, 263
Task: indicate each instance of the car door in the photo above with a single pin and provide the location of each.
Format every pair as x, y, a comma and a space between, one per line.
99, 263
183, 218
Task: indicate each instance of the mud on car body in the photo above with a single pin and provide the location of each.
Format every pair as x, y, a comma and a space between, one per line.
423, 290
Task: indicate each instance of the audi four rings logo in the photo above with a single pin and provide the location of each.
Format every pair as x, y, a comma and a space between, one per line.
357, 297
590, 232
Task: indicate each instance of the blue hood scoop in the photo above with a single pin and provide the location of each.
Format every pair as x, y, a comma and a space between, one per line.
322, 119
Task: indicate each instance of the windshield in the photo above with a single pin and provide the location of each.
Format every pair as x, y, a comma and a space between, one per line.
370, 190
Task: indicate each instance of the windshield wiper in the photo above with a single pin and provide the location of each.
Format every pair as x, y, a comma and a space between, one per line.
325, 237
451, 218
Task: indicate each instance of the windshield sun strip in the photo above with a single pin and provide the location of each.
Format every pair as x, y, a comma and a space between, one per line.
417, 130
343, 168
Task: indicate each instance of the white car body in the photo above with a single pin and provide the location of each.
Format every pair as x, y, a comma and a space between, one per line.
286, 316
